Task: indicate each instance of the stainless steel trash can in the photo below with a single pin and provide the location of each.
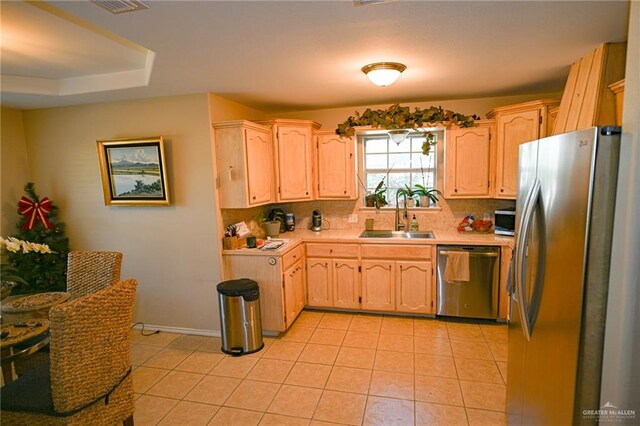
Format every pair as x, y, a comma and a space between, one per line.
240, 321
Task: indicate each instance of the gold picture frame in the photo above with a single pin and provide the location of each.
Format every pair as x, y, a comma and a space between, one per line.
133, 172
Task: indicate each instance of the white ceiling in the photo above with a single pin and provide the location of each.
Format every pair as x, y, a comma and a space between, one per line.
298, 55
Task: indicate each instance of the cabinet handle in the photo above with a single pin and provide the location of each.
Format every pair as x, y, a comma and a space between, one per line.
326, 264
501, 189
254, 197
330, 251
345, 191
306, 193
455, 190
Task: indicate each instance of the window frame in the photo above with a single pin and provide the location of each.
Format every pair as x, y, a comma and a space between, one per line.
431, 168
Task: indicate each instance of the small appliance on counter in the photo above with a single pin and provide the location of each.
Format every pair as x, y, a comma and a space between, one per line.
505, 222
316, 221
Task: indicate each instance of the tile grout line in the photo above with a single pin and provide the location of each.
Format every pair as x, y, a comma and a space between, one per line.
368, 396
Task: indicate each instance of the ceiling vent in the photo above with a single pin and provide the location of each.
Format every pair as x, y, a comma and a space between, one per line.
121, 6
368, 2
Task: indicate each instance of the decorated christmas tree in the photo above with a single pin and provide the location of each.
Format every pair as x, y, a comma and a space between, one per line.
39, 224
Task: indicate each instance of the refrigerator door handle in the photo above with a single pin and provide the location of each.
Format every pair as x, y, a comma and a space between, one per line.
510, 287
517, 261
521, 269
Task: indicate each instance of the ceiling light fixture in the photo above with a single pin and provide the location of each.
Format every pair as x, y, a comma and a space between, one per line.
398, 136
383, 73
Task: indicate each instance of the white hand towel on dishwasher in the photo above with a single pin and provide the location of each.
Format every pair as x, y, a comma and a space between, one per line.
457, 267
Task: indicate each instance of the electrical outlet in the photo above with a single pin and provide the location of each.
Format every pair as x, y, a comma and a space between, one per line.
353, 218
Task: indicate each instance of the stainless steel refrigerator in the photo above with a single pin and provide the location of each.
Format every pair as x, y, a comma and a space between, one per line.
564, 220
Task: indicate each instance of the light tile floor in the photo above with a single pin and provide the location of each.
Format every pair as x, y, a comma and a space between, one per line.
329, 368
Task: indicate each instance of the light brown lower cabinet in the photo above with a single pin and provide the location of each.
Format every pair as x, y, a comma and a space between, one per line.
346, 283
370, 277
319, 278
397, 286
414, 287
281, 278
294, 292
378, 289
333, 283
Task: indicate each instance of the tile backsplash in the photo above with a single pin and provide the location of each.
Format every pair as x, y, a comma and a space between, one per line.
336, 214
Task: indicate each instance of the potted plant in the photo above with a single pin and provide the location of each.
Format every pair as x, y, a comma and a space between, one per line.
279, 216
377, 198
271, 223
427, 196
410, 193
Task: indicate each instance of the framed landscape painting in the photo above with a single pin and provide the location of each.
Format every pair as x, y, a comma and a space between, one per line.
133, 172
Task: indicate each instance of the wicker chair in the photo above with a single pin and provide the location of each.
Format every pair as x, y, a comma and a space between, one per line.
88, 379
89, 271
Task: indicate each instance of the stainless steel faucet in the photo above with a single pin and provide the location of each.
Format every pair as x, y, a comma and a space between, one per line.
401, 226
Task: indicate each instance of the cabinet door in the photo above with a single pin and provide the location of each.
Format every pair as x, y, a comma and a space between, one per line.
294, 163
468, 163
293, 292
413, 287
512, 130
378, 292
319, 287
259, 167
335, 167
346, 283
299, 285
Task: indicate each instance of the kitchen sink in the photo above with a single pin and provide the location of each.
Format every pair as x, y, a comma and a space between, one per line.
397, 234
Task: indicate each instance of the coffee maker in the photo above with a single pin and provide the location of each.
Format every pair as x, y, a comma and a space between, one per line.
316, 221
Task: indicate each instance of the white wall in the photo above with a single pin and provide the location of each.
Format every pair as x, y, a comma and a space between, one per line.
620, 378
14, 166
170, 250
329, 118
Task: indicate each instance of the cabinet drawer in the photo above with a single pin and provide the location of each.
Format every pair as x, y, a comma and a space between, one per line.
380, 251
292, 257
333, 250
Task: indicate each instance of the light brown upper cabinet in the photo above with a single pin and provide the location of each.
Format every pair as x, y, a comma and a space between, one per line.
244, 161
293, 142
516, 124
468, 155
335, 166
587, 100
618, 90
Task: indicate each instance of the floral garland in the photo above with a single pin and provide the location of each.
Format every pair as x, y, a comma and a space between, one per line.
399, 117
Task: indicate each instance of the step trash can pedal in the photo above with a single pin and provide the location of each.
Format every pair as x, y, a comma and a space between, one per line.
240, 321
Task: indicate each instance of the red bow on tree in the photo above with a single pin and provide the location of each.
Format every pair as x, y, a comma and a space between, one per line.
35, 212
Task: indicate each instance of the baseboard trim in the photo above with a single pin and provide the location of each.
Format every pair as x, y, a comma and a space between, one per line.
192, 331
179, 330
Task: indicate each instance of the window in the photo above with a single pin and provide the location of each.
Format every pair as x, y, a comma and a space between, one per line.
400, 165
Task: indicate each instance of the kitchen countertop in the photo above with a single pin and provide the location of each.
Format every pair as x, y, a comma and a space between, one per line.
299, 236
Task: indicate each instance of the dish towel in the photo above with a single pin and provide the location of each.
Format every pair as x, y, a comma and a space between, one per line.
457, 268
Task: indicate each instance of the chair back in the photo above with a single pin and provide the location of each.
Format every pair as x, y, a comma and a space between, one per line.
90, 345
90, 271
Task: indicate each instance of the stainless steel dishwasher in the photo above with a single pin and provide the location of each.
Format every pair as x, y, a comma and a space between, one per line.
477, 297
